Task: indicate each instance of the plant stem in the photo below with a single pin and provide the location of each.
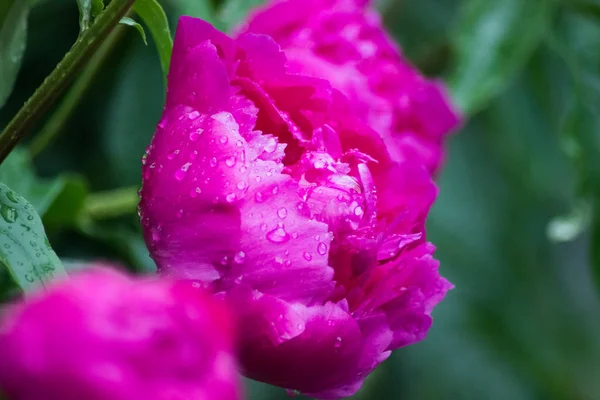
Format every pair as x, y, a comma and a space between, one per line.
65, 71
112, 203
59, 118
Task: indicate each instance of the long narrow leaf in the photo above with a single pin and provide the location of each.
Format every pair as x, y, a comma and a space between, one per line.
155, 19
13, 38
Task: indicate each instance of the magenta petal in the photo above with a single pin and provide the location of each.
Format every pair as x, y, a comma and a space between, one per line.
329, 334
280, 254
102, 335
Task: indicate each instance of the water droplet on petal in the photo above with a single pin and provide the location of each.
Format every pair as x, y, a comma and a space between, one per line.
241, 185
358, 211
263, 227
271, 145
239, 257
224, 139
193, 115
224, 260
213, 162
194, 135
307, 256
230, 197
195, 192
275, 190
338, 342
258, 197
230, 162
322, 249
282, 212
278, 235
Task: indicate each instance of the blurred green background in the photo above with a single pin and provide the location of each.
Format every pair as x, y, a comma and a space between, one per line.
514, 221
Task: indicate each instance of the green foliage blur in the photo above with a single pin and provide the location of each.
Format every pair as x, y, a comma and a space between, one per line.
516, 224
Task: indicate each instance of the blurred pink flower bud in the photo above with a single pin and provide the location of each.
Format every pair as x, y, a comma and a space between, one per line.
102, 335
264, 186
343, 41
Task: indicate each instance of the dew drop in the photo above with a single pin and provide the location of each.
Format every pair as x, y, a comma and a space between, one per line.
278, 235
173, 154
193, 115
12, 196
282, 212
194, 135
338, 342
241, 185
239, 257
271, 145
275, 190
322, 249
9, 214
224, 260
307, 256
263, 227
230, 197
224, 139
258, 197
358, 211
230, 162
213, 162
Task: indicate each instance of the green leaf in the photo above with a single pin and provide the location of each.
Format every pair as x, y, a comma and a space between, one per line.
13, 38
59, 200
24, 248
130, 22
493, 42
153, 15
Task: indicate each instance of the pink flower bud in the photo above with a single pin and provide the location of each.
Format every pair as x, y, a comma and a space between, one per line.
266, 187
102, 335
343, 41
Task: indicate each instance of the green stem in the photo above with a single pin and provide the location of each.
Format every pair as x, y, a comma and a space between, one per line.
112, 203
59, 118
57, 81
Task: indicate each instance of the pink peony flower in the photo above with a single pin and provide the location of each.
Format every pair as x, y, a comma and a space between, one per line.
343, 41
262, 185
102, 335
